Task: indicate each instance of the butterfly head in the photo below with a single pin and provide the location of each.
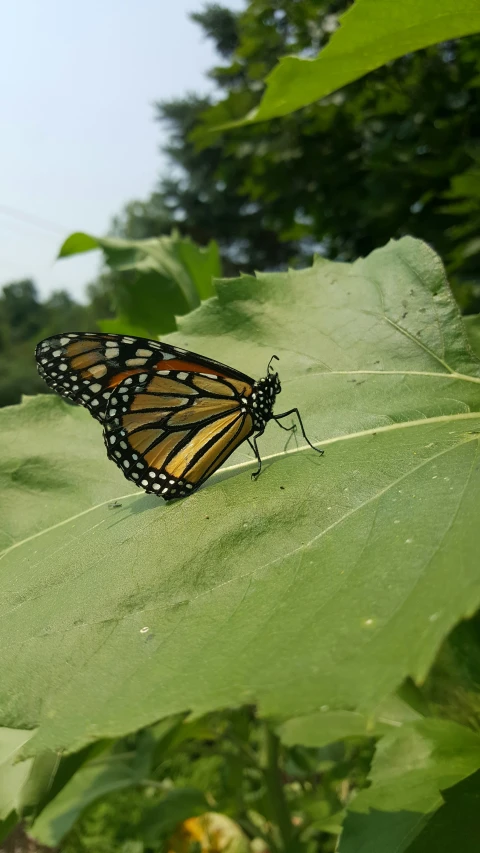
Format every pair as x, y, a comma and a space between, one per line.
263, 396
272, 378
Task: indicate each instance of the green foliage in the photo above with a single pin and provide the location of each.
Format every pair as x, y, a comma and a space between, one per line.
152, 280
324, 726
8, 825
410, 768
50, 474
463, 201
381, 159
24, 319
456, 819
376, 357
318, 604
13, 775
371, 34
177, 805
148, 284
112, 770
472, 326
221, 761
21, 313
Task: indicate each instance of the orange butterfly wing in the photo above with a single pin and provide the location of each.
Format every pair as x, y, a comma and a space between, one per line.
85, 368
169, 430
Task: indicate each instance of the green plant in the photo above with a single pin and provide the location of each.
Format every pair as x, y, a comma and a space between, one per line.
313, 593
151, 281
393, 153
371, 34
291, 665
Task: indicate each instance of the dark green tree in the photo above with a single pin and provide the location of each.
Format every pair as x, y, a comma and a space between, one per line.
21, 312
25, 319
382, 158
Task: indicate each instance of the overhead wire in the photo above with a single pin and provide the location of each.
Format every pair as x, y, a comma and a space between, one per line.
31, 219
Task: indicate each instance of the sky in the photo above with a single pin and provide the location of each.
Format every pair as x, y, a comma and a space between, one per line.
78, 138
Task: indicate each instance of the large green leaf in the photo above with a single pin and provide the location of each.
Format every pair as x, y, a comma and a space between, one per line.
371, 33
410, 769
51, 467
325, 583
156, 279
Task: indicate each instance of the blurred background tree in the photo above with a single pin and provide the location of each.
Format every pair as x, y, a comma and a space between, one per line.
24, 320
397, 152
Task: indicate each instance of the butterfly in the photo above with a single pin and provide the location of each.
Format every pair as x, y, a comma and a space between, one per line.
170, 417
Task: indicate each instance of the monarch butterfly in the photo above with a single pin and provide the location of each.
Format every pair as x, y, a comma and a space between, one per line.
170, 417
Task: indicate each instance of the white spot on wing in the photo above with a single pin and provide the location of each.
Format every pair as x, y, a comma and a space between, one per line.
98, 370
135, 362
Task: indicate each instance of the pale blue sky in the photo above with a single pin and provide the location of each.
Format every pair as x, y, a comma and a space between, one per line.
78, 139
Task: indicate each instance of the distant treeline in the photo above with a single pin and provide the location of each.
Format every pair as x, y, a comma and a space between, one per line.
25, 319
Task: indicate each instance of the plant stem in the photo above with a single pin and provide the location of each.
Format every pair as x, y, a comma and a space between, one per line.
276, 795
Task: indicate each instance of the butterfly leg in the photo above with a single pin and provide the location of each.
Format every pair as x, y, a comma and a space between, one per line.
297, 413
253, 444
292, 428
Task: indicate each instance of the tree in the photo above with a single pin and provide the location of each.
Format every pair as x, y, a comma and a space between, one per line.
24, 320
21, 312
378, 160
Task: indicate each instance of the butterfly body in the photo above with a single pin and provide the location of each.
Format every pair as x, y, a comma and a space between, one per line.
171, 417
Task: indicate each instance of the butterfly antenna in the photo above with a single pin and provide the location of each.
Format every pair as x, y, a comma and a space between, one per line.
270, 362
